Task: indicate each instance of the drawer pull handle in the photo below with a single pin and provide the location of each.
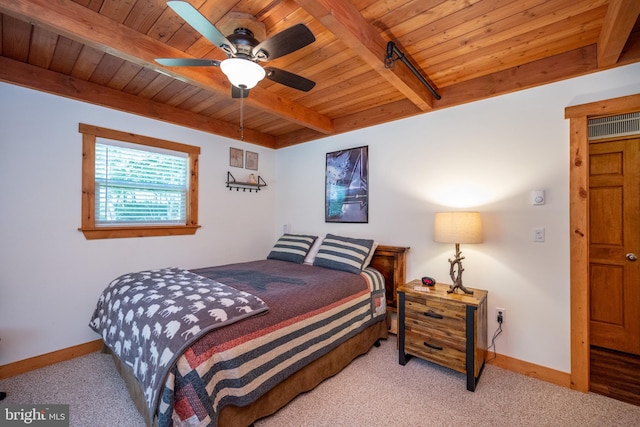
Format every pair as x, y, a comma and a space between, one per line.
435, 347
432, 314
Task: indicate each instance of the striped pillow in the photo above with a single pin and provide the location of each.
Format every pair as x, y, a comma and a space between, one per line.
292, 247
343, 253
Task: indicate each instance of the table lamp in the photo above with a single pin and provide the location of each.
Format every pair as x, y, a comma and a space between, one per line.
457, 227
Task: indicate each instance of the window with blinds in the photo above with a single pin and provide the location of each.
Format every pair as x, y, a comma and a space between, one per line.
137, 186
140, 186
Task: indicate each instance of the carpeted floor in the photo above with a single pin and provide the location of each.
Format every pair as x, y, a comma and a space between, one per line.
373, 391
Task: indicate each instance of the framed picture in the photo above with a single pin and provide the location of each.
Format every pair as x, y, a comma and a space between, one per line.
236, 156
251, 161
347, 186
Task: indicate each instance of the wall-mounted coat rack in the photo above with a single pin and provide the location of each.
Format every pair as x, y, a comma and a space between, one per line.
238, 185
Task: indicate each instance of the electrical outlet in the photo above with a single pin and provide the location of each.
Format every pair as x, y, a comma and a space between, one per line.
501, 313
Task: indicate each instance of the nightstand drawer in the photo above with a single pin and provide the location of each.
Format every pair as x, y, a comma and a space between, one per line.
449, 310
437, 329
435, 349
435, 314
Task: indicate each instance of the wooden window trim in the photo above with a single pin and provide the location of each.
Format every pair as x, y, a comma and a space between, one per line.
89, 229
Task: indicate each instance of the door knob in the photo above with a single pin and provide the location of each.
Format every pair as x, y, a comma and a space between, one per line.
632, 257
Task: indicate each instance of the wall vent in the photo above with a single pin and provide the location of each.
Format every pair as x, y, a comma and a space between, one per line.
612, 126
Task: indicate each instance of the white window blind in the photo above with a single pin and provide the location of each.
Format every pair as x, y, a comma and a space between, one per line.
141, 185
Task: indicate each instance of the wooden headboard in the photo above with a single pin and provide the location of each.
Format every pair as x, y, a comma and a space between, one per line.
391, 261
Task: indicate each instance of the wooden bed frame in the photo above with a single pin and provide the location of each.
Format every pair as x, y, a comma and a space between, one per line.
391, 262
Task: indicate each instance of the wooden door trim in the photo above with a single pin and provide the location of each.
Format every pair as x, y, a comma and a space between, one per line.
579, 116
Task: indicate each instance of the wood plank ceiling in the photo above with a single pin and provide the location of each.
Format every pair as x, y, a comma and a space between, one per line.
103, 51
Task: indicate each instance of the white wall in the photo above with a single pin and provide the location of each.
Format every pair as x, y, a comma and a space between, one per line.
50, 276
485, 156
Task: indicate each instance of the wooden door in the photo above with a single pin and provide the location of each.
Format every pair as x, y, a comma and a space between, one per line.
614, 242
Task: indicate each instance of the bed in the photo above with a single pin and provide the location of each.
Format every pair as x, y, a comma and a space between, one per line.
298, 325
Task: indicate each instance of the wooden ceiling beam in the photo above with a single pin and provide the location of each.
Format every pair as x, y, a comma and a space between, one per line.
555, 68
344, 20
81, 24
618, 22
33, 77
373, 116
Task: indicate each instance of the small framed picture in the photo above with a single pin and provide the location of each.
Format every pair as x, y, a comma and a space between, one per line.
236, 157
251, 161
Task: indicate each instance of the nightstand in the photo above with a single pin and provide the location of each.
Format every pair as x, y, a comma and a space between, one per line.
447, 329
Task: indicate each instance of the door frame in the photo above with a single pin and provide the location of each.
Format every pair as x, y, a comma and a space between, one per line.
579, 116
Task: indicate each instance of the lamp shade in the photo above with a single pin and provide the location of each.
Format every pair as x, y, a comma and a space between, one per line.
242, 73
457, 227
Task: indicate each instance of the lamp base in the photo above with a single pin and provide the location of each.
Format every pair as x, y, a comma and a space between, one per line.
452, 289
456, 267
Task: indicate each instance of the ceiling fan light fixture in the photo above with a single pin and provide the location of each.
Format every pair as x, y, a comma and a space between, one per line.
242, 73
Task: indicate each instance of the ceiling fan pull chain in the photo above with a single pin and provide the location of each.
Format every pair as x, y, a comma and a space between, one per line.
241, 117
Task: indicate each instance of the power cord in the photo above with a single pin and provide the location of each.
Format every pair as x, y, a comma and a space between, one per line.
495, 335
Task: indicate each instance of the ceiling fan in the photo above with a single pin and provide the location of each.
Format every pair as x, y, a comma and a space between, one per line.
244, 52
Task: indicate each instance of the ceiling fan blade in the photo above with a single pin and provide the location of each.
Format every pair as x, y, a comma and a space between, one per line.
237, 92
187, 62
201, 24
283, 43
289, 79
